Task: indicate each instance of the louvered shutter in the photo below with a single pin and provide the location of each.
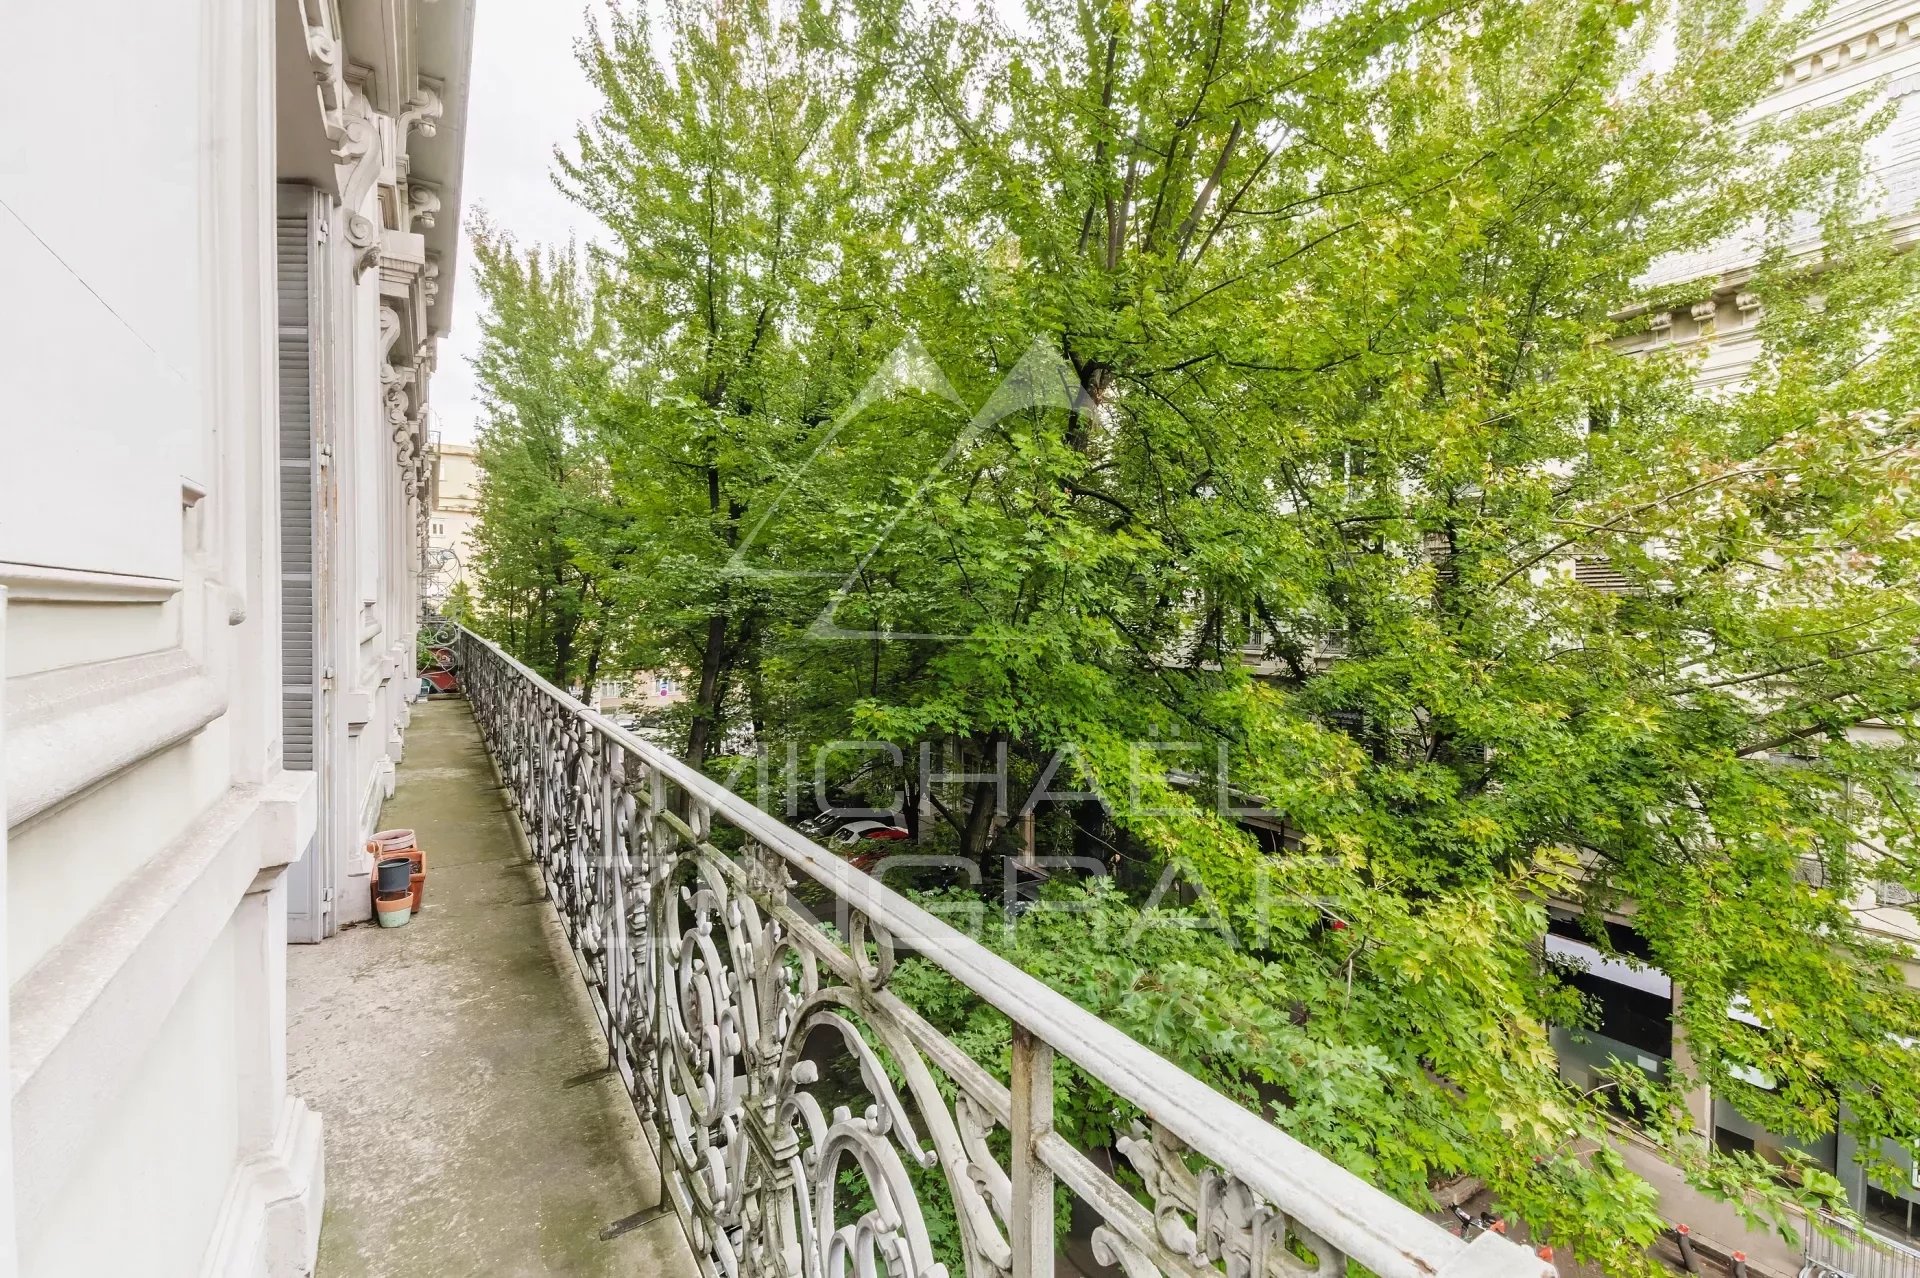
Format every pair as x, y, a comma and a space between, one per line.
296, 242
1596, 572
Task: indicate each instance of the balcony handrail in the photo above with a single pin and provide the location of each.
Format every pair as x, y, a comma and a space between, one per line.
1361, 1221
1859, 1251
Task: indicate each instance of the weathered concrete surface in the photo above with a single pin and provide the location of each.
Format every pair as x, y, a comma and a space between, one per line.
456, 1062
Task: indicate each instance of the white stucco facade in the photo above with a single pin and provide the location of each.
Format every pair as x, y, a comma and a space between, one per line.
1863, 46
158, 827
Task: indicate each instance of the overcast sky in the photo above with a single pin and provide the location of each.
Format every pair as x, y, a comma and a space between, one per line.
526, 95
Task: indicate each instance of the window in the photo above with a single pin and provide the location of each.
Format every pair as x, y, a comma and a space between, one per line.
665, 687
1897, 895
1894, 1213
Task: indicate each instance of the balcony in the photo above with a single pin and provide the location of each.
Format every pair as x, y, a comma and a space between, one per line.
809, 1121
471, 1124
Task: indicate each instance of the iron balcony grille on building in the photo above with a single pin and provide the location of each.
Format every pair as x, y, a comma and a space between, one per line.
724, 1004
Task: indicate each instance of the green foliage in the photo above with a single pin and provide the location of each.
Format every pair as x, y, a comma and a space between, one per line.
458, 607
541, 547
1316, 325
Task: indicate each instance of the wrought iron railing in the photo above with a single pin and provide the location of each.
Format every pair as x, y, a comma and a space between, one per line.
809, 1123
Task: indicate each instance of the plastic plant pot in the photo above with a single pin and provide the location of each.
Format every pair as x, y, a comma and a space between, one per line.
393, 910
394, 875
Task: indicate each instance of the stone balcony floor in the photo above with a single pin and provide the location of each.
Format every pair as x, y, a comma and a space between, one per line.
471, 1126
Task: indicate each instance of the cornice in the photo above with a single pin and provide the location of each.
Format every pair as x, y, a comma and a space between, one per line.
72, 728
1877, 30
41, 584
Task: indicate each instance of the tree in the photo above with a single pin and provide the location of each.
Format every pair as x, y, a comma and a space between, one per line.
459, 605
540, 543
737, 178
1312, 329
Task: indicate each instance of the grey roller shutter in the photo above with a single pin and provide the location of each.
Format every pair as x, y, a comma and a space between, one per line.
296, 243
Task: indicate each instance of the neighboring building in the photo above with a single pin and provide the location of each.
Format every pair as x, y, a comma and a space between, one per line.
453, 509
1861, 44
211, 482
641, 692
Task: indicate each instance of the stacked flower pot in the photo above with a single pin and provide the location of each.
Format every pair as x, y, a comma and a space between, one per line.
399, 876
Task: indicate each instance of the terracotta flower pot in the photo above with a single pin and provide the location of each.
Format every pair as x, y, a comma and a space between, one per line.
391, 842
419, 888
393, 909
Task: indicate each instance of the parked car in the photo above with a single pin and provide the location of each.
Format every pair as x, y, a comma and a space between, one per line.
866, 831
864, 842
860, 839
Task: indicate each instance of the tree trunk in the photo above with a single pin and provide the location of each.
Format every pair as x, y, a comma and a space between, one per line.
706, 714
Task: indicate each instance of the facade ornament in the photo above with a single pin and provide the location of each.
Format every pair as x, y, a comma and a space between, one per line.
364, 236
323, 54
423, 111
430, 279
423, 203
1661, 323
354, 138
1749, 304
1704, 314
389, 334
394, 381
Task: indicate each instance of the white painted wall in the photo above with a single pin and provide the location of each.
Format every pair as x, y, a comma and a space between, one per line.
149, 822
148, 818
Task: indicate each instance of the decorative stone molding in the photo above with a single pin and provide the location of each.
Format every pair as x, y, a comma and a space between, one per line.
1748, 304
364, 236
430, 279
73, 727
425, 109
423, 203
389, 334
394, 380
1661, 322
271, 1212
404, 410
324, 55
403, 260
423, 113
1852, 48
79, 585
85, 1015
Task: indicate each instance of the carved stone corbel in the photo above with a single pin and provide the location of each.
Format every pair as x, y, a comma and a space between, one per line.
423, 203
364, 236
423, 114
356, 137
394, 381
389, 334
323, 54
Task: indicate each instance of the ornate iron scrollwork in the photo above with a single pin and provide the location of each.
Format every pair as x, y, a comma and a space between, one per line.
807, 1121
